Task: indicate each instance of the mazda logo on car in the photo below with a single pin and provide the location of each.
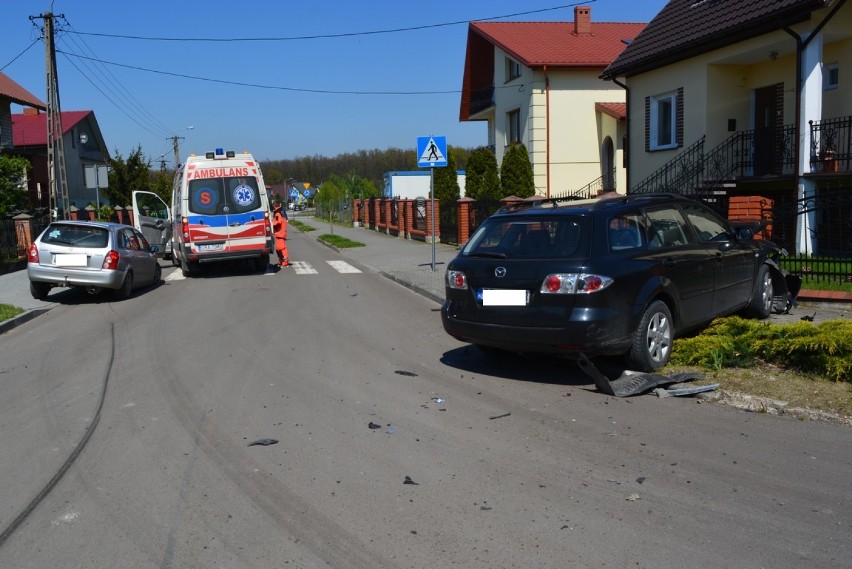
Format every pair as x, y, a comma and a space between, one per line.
500, 272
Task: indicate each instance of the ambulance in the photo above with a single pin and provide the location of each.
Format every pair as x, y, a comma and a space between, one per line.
220, 212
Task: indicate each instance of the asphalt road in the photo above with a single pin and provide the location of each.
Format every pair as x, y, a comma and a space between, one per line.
126, 431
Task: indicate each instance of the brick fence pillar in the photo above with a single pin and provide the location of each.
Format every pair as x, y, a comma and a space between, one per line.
464, 220
73, 213
24, 230
433, 234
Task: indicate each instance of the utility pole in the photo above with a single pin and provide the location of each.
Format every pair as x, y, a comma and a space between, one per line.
175, 144
56, 172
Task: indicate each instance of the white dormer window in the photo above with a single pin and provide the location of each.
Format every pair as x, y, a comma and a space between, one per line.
513, 69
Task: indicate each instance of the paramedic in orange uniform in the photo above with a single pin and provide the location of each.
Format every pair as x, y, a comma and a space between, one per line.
279, 226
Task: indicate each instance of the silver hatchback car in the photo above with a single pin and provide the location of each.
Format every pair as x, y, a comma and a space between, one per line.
93, 255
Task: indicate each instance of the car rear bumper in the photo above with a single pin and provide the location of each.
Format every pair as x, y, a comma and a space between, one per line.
64, 276
589, 331
230, 255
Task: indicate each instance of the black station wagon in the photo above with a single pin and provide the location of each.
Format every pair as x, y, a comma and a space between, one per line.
611, 276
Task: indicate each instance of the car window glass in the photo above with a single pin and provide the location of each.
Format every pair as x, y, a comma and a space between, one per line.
75, 235
707, 226
129, 240
666, 228
625, 232
242, 194
558, 237
205, 196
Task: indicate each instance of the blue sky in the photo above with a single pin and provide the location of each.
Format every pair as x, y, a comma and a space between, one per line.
298, 94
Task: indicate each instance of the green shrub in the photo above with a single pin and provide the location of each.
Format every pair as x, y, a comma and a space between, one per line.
823, 349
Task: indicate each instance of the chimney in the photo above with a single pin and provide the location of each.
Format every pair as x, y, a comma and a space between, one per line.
29, 111
582, 20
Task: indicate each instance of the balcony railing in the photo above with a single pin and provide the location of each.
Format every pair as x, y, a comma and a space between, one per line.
481, 99
831, 145
744, 154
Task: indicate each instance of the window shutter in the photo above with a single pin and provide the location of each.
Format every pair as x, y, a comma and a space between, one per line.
679, 117
647, 124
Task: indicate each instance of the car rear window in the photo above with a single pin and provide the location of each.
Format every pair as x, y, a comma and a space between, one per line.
76, 236
210, 196
562, 237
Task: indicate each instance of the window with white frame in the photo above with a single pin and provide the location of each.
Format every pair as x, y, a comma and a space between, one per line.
513, 69
830, 76
513, 127
662, 122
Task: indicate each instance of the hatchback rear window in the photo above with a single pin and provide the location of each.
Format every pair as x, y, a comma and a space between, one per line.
562, 237
76, 236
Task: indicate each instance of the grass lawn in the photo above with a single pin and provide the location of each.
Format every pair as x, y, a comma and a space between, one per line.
8, 311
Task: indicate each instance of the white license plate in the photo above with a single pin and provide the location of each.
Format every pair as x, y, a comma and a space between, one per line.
499, 297
71, 260
212, 247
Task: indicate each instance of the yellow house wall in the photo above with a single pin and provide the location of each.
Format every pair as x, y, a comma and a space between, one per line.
720, 85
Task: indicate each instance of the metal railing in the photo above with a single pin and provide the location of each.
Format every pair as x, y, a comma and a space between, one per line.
677, 175
831, 145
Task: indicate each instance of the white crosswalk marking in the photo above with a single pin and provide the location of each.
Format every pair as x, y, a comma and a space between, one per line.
175, 276
301, 268
343, 267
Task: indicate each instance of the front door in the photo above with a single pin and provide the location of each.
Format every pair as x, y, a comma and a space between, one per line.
766, 114
152, 217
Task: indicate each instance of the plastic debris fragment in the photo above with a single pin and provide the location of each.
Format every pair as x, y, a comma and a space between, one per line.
263, 442
408, 480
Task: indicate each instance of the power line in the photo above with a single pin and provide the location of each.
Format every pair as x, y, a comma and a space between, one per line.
111, 83
333, 36
20, 54
259, 86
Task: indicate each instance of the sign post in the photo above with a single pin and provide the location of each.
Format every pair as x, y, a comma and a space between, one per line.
96, 178
432, 153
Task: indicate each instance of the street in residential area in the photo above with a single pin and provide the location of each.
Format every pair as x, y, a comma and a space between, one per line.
319, 416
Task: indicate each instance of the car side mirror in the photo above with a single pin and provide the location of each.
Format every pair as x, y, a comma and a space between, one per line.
745, 233
158, 224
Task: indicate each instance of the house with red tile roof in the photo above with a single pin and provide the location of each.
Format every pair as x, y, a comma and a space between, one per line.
84, 147
12, 93
538, 83
25, 134
747, 102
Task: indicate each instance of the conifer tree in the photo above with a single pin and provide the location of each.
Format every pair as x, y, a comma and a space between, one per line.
516, 173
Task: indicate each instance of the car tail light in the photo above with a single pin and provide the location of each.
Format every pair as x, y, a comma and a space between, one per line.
32, 254
574, 283
268, 223
456, 280
184, 227
110, 260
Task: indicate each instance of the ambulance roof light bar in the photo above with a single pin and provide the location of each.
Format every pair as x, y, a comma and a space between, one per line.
219, 154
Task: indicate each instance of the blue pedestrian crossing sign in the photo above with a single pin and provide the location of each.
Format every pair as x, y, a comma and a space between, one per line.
432, 151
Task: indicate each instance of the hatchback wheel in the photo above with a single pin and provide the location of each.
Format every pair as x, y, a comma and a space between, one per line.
39, 290
652, 340
158, 274
126, 287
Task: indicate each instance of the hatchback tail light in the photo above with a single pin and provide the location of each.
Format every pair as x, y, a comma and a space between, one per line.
457, 280
574, 283
32, 254
110, 260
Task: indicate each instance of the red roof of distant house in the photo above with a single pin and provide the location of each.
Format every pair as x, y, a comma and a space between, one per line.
30, 129
18, 94
536, 44
616, 110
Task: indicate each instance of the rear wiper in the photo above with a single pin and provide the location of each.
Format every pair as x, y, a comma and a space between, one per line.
488, 255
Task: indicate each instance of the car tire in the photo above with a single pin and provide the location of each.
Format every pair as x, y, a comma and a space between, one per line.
39, 290
760, 305
261, 263
652, 339
175, 261
158, 274
126, 287
188, 269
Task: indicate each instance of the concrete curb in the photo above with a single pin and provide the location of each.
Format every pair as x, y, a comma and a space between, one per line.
7, 325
